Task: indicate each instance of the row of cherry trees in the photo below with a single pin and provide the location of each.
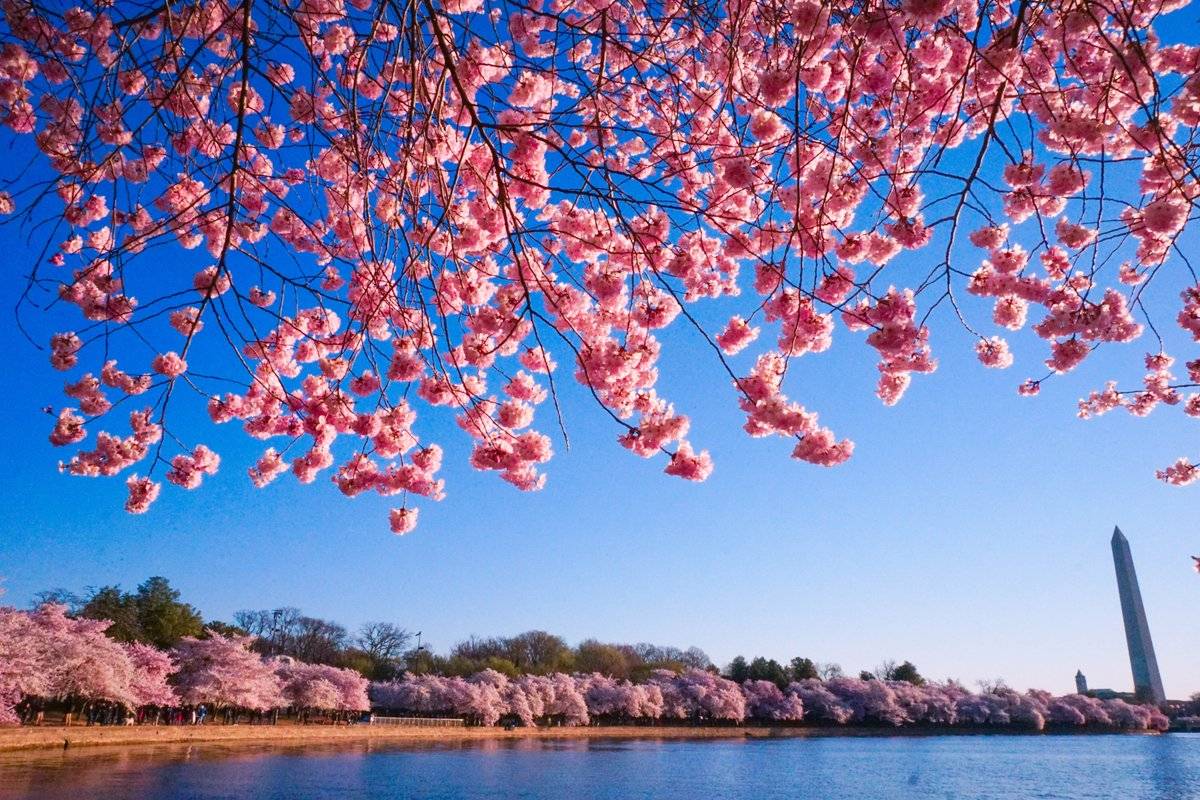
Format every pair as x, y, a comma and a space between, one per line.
321, 220
47, 655
697, 695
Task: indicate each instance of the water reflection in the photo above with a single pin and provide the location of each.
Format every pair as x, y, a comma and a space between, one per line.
905, 768
1173, 766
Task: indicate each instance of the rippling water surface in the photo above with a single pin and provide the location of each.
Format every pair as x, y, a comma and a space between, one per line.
903, 768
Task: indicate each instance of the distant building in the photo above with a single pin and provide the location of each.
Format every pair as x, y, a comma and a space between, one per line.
1081, 687
1147, 683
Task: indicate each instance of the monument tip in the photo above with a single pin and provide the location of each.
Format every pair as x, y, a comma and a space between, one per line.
1117, 535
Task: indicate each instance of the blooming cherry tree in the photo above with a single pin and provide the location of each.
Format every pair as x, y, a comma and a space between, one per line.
322, 687
765, 701
326, 220
24, 662
223, 672
152, 669
46, 654
82, 662
696, 696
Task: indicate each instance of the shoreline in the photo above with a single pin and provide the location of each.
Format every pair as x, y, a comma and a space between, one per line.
48, 738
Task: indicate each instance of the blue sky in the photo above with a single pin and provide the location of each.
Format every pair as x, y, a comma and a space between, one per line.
968, 534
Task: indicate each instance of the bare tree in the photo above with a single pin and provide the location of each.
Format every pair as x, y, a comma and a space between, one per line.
318, 641
886, 669
59, 596
383, 641
276, 629
829, 670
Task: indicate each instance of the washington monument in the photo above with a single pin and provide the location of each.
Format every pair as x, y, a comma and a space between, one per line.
1147, 683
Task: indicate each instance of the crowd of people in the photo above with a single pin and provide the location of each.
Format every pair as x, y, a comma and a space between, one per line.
32, 711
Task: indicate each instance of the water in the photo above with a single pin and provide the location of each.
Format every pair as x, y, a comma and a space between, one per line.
896, 768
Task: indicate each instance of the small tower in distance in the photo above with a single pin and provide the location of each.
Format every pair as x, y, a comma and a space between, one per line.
1147, 683
1080, 682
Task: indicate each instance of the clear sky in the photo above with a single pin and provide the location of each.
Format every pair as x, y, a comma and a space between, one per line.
969, 533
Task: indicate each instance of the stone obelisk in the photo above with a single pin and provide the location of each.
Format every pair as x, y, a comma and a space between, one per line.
1147, 683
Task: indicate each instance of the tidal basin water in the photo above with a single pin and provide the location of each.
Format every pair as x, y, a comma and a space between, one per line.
828, 768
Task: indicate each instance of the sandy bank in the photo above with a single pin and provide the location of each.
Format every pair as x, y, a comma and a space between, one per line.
51, 737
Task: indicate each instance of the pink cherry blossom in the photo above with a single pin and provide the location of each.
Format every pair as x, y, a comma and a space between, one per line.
737, 336
1181, 473
373, 227
1066, 355
63, 349
152, 670
169, 364
222, 671
686, 464
993, 352
403, 520
68, 429
142, 492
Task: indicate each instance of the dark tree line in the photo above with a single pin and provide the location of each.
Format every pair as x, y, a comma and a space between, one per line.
799, 669
155, 614
378, 649
541, 653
